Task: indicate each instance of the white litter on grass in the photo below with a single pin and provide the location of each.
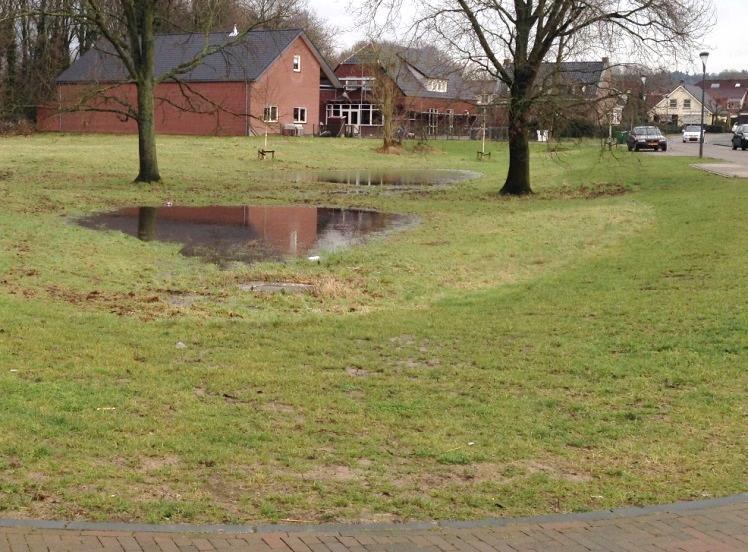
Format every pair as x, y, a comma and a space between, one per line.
180, 345
13, 370
314, 258
106, 408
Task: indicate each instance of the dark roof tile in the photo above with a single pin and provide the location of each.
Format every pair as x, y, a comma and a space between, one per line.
244, 59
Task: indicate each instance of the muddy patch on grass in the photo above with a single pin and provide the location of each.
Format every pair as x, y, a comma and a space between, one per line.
592, 191
488, 472
279, 408
157, 463
271, 288
561, 473
332, 473
357, 372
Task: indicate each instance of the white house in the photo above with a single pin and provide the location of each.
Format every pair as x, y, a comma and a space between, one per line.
682, 106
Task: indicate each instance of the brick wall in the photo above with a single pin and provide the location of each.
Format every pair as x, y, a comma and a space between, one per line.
281, 86
179, 110
192, 110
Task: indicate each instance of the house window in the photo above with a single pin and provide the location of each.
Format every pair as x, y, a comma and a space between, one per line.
299, 114
686, 104
436, 85
363, 83
270, 114
737, 85
715, 85
433, 121
674, 103
297, 64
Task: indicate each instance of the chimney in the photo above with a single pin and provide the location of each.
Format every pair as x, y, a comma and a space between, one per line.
606, 61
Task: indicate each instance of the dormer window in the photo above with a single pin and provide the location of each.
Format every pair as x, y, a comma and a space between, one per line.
737, 85
715, 85
436, 85
297, 64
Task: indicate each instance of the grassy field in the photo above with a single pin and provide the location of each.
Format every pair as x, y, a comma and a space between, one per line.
581, 349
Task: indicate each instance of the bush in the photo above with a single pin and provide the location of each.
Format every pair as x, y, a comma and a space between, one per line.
579, 128
16, 127
716, 128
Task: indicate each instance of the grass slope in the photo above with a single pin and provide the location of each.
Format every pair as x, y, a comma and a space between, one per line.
582, 349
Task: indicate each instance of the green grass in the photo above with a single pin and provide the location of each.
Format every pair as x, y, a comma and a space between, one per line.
581, 349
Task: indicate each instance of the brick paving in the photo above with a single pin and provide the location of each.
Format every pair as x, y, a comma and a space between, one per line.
707, 526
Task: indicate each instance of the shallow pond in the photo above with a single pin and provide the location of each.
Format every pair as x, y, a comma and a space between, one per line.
249, 234
396, 178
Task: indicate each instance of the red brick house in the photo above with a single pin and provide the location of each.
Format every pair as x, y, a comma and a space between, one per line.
266, 81
434, 96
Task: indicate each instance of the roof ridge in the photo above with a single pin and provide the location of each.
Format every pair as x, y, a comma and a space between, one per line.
192, 33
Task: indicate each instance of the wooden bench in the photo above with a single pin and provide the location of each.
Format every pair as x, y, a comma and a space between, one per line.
482, 155
263, 153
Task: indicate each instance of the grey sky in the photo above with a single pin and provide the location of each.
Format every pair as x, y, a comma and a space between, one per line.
726, 41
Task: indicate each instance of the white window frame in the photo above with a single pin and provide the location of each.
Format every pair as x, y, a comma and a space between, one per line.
299, 120
433, 121
673, 103
267, 114
686, 104
436, 85
297, 63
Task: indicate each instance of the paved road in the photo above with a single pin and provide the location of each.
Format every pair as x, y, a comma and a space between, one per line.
709, 526
732, 164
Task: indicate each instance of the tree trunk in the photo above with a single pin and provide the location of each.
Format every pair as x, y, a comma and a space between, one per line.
142, 44
518, 177
147, 134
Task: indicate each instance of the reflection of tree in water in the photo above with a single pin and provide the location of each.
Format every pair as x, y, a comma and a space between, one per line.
147, 223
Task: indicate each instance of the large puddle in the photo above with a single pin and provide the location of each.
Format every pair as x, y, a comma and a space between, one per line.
415, 178
222, 234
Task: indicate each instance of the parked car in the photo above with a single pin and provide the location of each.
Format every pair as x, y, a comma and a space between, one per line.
646, 137
692, 133
740, 138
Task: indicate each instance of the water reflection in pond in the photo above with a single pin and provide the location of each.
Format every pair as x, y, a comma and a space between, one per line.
396, 178
247, 233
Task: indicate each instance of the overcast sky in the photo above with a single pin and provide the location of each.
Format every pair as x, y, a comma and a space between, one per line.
726, 41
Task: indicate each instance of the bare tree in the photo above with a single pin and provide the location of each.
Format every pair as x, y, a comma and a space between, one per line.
129, 28
531, 32
382, 65
38, 38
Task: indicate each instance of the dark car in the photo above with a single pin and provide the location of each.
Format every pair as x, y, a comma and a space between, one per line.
646, 137
740, 138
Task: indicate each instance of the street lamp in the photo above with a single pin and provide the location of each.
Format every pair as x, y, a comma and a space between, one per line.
644, 99
704, 56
